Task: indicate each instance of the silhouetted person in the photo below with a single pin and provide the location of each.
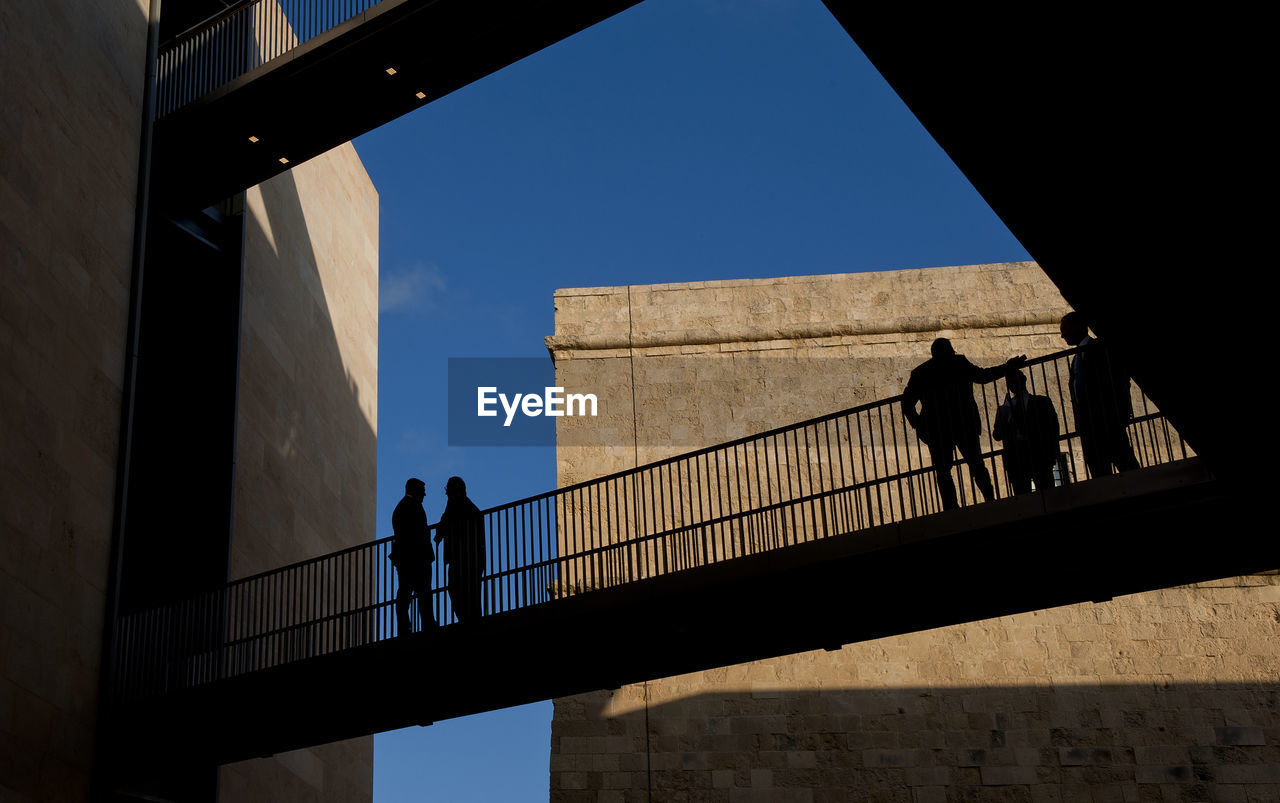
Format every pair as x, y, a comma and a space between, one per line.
412, 555
948, 416
462, 530
1100, 397
1028, 426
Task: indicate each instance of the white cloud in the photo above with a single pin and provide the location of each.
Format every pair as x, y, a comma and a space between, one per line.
416, 287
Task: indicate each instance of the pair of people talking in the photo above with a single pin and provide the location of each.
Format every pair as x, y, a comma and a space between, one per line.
460, 530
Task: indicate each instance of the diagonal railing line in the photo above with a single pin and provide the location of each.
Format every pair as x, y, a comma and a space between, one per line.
205, 24
625, 473
828, 475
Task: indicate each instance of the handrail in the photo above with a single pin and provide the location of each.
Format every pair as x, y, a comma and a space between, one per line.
206, 23
240, 39
828, 475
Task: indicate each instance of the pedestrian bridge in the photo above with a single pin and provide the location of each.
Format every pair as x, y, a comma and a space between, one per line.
264, 85
809, 536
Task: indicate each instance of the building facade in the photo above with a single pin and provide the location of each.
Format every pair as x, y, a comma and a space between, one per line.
298, 450
1167, 695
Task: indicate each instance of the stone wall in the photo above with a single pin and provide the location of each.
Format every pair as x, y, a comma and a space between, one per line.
713, 361
1165, 696
70, 119
306, 429
70, 122
1168, 695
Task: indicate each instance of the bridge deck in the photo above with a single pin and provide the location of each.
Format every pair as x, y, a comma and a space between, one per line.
1112, 536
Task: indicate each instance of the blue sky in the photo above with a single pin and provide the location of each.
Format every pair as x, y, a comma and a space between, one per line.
681, 140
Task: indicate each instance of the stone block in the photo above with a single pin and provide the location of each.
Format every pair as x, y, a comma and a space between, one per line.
890, 758
617, 780
1008, 776
928, 776
1177, 773
572, 780
1081, 756
1239, 735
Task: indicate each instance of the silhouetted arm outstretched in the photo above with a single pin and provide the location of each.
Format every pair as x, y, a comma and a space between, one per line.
910, 398
979, 375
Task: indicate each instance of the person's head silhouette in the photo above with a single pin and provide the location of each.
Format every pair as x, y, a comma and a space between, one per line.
1017, 382
1073, 328
415, 488
455, 487
942, 348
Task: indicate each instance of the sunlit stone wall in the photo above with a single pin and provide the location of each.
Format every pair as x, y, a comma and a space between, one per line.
306, 428
1163, 696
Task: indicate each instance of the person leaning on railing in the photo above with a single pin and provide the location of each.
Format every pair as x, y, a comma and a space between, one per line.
948, 417
1100, 398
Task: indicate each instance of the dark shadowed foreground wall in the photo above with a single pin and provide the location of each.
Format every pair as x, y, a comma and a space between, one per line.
70, 123
1163, 696
70, 120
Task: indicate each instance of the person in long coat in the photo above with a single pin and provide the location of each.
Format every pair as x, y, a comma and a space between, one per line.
461, 529
1099, 388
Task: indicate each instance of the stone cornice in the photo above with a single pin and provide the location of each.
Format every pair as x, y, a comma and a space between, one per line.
804, 331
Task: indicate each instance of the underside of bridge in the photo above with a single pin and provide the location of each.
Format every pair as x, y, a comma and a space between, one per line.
337, 87
1117, 535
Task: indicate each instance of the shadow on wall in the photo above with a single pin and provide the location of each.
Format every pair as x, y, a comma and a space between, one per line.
1145, 741
306, 447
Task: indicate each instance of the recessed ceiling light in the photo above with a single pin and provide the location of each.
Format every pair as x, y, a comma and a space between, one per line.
284, 161
253, 139
391, 71
421, 95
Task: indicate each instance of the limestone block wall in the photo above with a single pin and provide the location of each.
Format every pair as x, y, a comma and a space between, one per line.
1165, 696
1082, 703
707, 362
678, 367
70, 119
306, 470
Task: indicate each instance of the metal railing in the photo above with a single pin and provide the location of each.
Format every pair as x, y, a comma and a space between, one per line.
832, 475
240, 39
